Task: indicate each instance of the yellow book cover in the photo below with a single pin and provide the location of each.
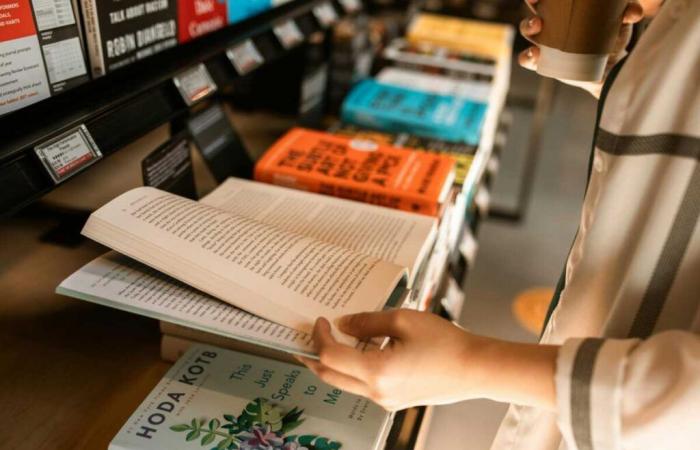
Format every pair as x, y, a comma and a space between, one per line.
485, 39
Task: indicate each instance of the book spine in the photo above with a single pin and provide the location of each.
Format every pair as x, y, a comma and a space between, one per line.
173, 347
93, 37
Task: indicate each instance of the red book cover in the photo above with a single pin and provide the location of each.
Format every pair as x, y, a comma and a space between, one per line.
199, 17
358, 169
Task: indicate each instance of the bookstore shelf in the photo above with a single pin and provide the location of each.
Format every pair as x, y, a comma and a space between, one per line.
125, 104
111, 363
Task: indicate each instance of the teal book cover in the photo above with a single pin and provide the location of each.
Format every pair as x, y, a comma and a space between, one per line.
216, 399
399, 109
242, 9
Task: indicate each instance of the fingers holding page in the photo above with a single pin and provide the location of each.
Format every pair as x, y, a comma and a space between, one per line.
336, 356
390, 323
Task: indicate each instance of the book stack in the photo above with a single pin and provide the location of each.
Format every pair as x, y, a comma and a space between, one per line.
432, 89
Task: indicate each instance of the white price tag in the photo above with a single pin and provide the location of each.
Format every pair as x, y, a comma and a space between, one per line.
453, 301
351, 6
482, 199
325, 14
289, 34
245, 57
194, 84
468, 247
68, 154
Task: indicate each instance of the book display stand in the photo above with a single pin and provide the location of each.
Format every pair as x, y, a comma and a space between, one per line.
74, 372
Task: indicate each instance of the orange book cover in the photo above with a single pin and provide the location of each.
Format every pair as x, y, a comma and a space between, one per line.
358, 169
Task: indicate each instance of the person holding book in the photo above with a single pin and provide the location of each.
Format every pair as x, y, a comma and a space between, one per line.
618, 363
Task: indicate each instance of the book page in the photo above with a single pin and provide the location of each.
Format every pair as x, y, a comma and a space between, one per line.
120, 282
400, 237
279, 275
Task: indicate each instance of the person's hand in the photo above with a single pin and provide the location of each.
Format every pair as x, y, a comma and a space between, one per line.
429, 361
532, 26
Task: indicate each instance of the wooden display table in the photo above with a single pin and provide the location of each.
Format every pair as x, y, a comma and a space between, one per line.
72, 372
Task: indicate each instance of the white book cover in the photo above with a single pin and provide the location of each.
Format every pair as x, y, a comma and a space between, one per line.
217, 399
475, 90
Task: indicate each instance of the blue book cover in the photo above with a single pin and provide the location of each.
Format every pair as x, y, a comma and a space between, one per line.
242, 9
398, 109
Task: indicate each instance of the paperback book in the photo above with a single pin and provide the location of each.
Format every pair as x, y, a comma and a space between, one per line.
473, 90
479, 38
357, 169
177, 339
281, 257
463, 154
398, 109
41, 51
439, 60
214, 398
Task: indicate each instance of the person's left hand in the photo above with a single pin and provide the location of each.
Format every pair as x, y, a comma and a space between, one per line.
427, 361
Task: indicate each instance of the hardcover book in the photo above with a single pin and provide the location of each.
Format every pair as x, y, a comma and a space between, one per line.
463, 154
41, 51
399, 109
220, 399
121, 32
358, 169
284, 257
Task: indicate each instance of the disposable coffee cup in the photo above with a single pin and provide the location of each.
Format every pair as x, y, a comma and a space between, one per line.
577, 37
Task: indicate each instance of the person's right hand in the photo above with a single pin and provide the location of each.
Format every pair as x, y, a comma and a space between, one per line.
532, 26
430, 361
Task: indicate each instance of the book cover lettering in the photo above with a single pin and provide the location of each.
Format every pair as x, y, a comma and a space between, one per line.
357, 169
463, 154
402, 110
199, 17
220, 399
121, 32
41, 53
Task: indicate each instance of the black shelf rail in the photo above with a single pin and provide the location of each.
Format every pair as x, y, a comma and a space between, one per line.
126, 104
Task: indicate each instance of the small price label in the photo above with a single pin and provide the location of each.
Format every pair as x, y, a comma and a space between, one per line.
351, 6
325, 14
289, 34
482, 199
245, 57
68, 154
194, 84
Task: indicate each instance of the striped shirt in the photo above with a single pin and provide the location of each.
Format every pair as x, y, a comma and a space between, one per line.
628, 317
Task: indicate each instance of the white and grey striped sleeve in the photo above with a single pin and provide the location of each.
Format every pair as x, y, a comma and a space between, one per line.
631, 394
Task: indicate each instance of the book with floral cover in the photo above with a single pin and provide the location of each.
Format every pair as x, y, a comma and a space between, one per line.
216, 399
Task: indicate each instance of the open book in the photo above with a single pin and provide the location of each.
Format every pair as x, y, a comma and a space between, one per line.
285, 256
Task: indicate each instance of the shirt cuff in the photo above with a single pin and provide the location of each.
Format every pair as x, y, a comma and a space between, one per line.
588, 381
